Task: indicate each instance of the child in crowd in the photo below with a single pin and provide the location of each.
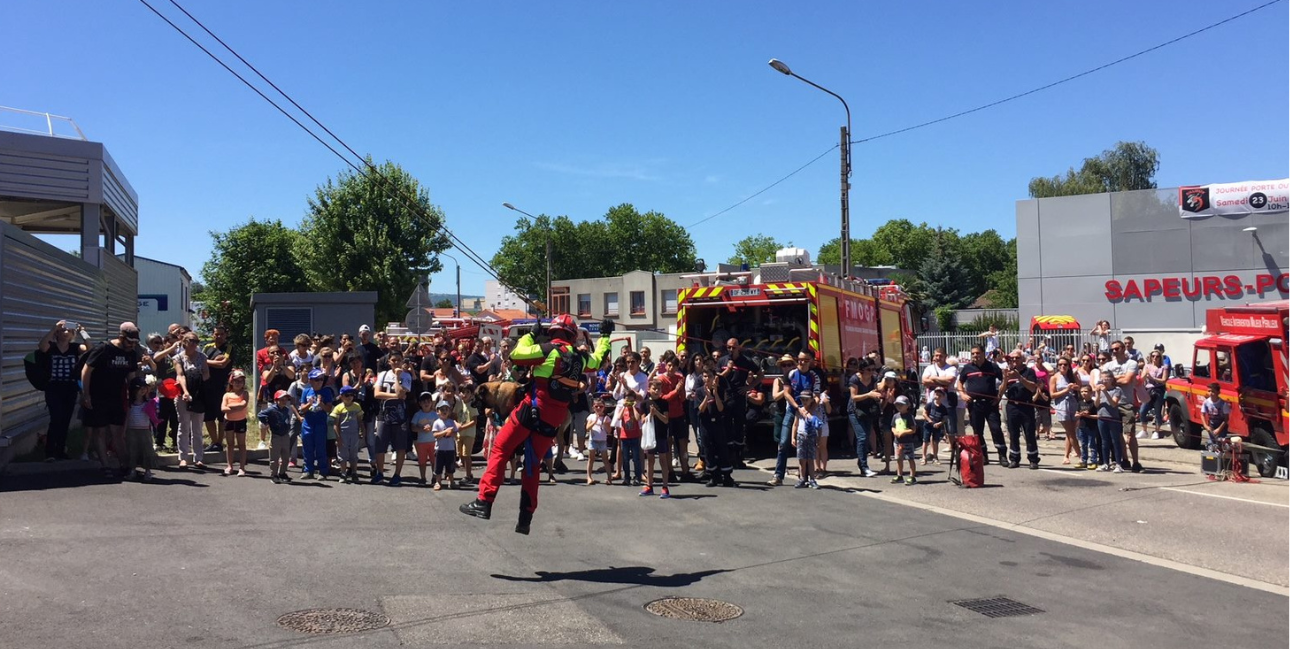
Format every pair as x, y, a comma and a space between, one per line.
234, 407
278, 419
466, 429
1088, 434
628, 425
141, 419
598, 427
295, 391
347, 417
317, 402
422, 424
936, 417
1109, 396
656, 407
806, 435
1214, 412
444, 432
903, 426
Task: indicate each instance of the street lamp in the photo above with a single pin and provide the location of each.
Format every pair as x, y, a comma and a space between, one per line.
456, 311
548, 252
846, 166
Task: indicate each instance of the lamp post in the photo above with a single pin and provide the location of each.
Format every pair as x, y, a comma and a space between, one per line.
548, 253
846, 165
456, 311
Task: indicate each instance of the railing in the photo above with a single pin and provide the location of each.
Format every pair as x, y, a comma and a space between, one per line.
959, 344
33, 118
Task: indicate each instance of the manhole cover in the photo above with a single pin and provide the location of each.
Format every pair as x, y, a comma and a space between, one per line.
332, 620
695, 609
998, 607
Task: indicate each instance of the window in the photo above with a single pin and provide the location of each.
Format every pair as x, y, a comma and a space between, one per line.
611, 304
584, 304
1223, 364
668, 301
560, 300
1201, 363
289, 321
638, 302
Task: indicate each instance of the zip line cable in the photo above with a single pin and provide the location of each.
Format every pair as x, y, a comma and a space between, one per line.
994, 103
419, 210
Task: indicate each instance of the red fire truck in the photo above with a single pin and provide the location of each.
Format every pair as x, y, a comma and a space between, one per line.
1245, 352
800, 309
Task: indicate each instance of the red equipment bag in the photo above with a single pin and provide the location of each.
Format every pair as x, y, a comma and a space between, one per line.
972, 461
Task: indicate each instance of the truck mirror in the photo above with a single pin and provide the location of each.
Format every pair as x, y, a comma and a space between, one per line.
1180, 371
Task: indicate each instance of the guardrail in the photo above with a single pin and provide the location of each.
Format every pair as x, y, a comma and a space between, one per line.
34, 118
960, 343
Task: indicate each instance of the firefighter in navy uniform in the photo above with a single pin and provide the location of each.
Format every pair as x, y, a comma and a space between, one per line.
558, 369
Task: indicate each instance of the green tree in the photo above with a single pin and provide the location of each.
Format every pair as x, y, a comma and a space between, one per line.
372, 231
756, 249
256, 257
984, 254
944, 279
1128, 166
866, 252
646, 241
444, 303
1003, 283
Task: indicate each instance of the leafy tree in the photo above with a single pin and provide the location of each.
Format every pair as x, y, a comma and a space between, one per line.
444, 303
866, 252
756, 249
1003, 283
944, 279
256, 257
372, 231
1128, 166
983, 254
623, 241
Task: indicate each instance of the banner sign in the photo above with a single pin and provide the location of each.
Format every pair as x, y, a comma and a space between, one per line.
1203, 287
1249, 197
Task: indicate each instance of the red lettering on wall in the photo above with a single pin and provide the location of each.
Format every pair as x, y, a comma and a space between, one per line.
1150, 287
1113, 290
1213, 285
1232, 285
1284, 283
1171, 287
1187, 290
1131, 291
1263, 283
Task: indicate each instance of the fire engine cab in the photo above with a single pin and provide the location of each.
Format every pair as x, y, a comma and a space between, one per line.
1245, 352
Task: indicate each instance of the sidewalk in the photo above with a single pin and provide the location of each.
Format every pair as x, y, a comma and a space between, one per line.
212, 460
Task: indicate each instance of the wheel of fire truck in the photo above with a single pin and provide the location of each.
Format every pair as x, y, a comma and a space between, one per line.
1265, 461
1187, 434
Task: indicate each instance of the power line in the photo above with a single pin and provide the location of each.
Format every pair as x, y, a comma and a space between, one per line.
992, 104
418, 209
1067, 79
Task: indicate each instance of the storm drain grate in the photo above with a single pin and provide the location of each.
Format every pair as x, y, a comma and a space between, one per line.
695, 609
332, 620
998, 607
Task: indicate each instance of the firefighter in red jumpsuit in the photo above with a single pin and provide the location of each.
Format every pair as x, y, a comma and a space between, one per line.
557, 372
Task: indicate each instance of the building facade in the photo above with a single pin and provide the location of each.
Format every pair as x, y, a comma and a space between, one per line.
496, 297
1129, 258
307, 313
639, 298
163, 295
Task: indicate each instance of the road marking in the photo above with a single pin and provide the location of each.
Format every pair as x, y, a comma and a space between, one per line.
1244, 500
1078, 543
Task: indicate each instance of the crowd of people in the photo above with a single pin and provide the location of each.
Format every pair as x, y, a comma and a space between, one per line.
317, 404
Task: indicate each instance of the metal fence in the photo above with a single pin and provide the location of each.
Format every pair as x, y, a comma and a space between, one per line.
959, 344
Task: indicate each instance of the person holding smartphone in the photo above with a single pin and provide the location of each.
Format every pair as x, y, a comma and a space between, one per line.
59, 353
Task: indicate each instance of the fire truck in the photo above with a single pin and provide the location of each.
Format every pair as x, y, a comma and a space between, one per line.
782, 308
1245, 352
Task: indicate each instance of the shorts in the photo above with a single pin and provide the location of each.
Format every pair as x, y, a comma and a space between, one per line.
424, 452
394, 436
825, 430
597, 445
679, 429
806, 447
213, 392
445, 463
904, 450
931, 432
237, 427
663, 440
1043, 415
464, 445
101, 414
349, 448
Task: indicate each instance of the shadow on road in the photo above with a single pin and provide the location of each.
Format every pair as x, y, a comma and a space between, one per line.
79, 478
633, 575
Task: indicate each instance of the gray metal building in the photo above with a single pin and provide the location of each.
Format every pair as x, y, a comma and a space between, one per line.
1130, 259
56, 184
304, 313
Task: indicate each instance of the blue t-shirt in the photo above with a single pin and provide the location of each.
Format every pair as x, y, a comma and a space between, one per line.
419, 421
319, 416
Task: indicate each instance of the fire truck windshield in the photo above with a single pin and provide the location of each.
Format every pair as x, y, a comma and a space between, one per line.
766, 332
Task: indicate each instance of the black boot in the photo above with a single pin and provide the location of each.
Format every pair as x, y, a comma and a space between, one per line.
525, 523
479, 508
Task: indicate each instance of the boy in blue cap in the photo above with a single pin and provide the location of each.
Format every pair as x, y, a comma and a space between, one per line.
317, 401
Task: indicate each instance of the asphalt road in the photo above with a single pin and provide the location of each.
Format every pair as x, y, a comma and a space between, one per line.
200, 560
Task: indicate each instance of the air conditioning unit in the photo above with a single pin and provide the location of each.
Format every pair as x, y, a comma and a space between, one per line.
796, 257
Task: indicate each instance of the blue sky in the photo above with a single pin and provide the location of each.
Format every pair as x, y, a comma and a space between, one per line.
573, 107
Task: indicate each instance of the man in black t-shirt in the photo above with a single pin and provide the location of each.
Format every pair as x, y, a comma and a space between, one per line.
977, 383
1020, 385
735, 369
220, 364
368, 350
478, 363
109, 367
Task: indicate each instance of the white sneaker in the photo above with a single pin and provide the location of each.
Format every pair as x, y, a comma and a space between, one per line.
1117, 469
575, 455
1141, 434
868, 473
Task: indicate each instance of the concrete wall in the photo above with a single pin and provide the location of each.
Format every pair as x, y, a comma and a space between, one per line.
1070, 248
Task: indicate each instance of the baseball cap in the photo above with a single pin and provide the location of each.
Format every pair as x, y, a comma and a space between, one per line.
363, 329
315, 375
1160, 347
346, 390
443, 404
129, 330
426, 395
237, 374
138, 382
891, 374
901, 400
281, 394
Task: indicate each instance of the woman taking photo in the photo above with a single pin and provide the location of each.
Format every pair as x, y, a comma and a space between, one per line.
60, 355
1064, 388
1042, 402
1154, 378
328, 364
864, 409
